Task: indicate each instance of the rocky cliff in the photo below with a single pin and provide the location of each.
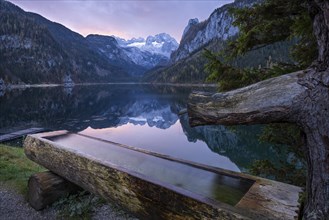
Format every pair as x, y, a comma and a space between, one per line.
218, 26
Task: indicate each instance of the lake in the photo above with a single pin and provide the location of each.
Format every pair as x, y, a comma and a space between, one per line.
143, 116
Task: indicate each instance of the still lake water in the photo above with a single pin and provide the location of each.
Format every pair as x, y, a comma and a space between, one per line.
143, 116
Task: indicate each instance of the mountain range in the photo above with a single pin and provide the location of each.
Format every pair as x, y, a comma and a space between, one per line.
35, 50
187, 63
138, 53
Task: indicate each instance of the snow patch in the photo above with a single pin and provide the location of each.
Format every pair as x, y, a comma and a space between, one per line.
160, 44
157, 45
136, 44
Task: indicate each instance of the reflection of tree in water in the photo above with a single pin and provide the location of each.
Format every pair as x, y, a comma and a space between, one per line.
240, 143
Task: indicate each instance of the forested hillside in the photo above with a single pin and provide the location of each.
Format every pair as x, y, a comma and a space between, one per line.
36, 50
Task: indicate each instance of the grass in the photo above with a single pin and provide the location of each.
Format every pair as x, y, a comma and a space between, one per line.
78, 206
16, 168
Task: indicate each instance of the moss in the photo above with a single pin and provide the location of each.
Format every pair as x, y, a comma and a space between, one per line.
16, 168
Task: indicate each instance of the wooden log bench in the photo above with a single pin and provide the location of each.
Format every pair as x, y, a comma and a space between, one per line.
154, 186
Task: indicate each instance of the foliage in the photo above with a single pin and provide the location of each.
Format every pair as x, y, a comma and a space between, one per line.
284, 173
78, 206
230, 77
305, 51
16, 168
261, 25
273, 21
284, 134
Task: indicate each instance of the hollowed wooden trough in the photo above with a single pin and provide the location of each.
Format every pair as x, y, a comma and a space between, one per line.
154, 186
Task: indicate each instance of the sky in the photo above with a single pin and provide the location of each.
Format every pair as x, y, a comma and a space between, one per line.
123, 18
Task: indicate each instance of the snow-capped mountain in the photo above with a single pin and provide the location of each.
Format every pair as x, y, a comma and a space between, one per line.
162, 44
143, 58
138, 54
123, 43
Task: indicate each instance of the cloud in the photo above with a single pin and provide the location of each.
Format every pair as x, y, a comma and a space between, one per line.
125, 18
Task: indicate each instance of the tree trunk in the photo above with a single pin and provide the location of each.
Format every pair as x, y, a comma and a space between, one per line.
46, 188
314, 117
272, 100
319, 11
314, 120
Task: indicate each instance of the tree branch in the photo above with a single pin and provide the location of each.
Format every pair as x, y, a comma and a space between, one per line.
268, 101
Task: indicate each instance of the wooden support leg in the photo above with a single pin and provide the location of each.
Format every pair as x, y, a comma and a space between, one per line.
46, 187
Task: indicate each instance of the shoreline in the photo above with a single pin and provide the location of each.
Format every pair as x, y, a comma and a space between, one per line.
25, 86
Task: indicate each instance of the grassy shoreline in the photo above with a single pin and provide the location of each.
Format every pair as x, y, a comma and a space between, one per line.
16, 168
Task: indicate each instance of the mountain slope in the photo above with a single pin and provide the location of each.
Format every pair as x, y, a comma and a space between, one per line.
217, 26
187, 63
187, 70
36, 50
109, 48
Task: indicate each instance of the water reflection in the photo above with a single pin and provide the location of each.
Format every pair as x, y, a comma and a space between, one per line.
142, 116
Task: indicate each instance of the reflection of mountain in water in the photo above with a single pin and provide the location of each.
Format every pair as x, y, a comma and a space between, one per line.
239, 143
77, 108
147, 112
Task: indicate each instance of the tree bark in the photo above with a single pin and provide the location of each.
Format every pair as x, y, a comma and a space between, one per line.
46, 188
272, 100
313, 117
319, 11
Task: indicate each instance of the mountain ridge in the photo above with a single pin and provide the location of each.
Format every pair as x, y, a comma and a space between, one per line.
217, 26
35, 50
187, 63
